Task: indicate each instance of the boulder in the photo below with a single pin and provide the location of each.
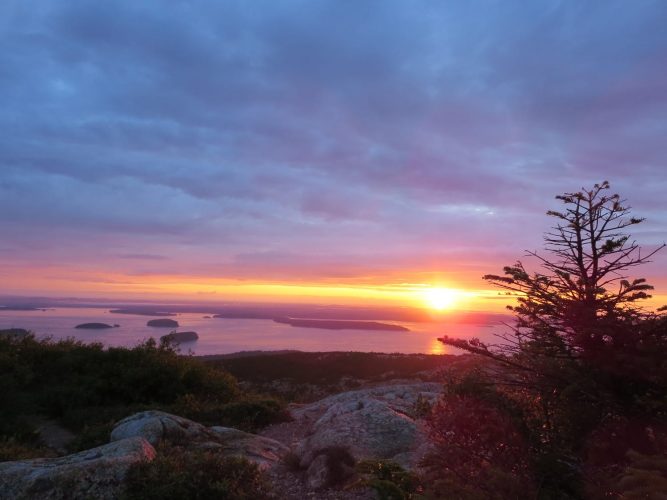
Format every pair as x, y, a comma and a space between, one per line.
333, 466
97, 473
163, 322
263, 451
157, 426
93, 326
377, 423
179, 337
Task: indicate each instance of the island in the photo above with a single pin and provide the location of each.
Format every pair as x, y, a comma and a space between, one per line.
93, 326
14, 333
180, 337
163, 322
341, 324
21, 308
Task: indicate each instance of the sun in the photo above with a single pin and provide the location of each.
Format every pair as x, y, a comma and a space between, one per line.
439, 298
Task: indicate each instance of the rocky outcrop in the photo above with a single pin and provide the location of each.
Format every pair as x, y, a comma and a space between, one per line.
179, 337
261, 450
97, 473
376, 423
163, 322
157, 426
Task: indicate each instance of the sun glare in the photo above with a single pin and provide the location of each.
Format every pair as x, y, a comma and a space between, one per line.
439, 298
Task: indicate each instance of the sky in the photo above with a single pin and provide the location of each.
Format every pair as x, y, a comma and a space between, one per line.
315, 150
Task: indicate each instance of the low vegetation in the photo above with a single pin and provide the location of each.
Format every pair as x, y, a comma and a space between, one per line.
391, 481
303, 377
177, 474
87, 388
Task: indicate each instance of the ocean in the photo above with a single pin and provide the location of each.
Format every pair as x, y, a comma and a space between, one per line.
222, 335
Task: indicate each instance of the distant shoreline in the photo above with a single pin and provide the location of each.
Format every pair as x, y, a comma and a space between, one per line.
341, 324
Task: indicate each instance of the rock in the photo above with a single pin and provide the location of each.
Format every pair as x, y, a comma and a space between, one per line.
16, 333
263, 451
157, 426
317, 475
97, 473
376, 423
162, 322
51, 433
331, 466
181, 337
93, 326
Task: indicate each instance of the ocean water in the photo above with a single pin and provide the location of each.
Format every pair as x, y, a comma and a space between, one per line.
222, 336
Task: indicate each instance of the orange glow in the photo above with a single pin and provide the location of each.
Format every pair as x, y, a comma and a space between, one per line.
440, 299
465, 293
437, 347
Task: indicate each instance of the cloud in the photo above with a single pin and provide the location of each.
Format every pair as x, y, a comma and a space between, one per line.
344, 134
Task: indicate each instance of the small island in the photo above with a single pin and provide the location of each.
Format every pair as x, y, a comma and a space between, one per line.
14, 333
93, 326
21, 308
180, 337
340, 324
163, 322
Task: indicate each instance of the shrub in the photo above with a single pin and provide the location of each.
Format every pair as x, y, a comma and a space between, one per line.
390, 480
176, 474
13, 449
87, 385
479, 452
247, 415
292, 461
91, 436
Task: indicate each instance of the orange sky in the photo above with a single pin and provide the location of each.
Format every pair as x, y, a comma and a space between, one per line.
433, 293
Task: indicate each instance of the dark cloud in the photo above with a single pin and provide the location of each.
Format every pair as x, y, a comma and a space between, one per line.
204, 132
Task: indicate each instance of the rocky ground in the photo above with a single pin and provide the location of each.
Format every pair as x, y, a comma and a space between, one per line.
308, 457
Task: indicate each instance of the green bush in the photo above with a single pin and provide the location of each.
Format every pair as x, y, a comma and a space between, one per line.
176, 475
249, 415
86, 385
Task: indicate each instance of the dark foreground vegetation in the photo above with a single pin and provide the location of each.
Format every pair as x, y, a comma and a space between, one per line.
573, 404
303, 377
179, 475
87, 388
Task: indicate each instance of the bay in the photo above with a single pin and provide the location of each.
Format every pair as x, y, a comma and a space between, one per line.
223, 336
